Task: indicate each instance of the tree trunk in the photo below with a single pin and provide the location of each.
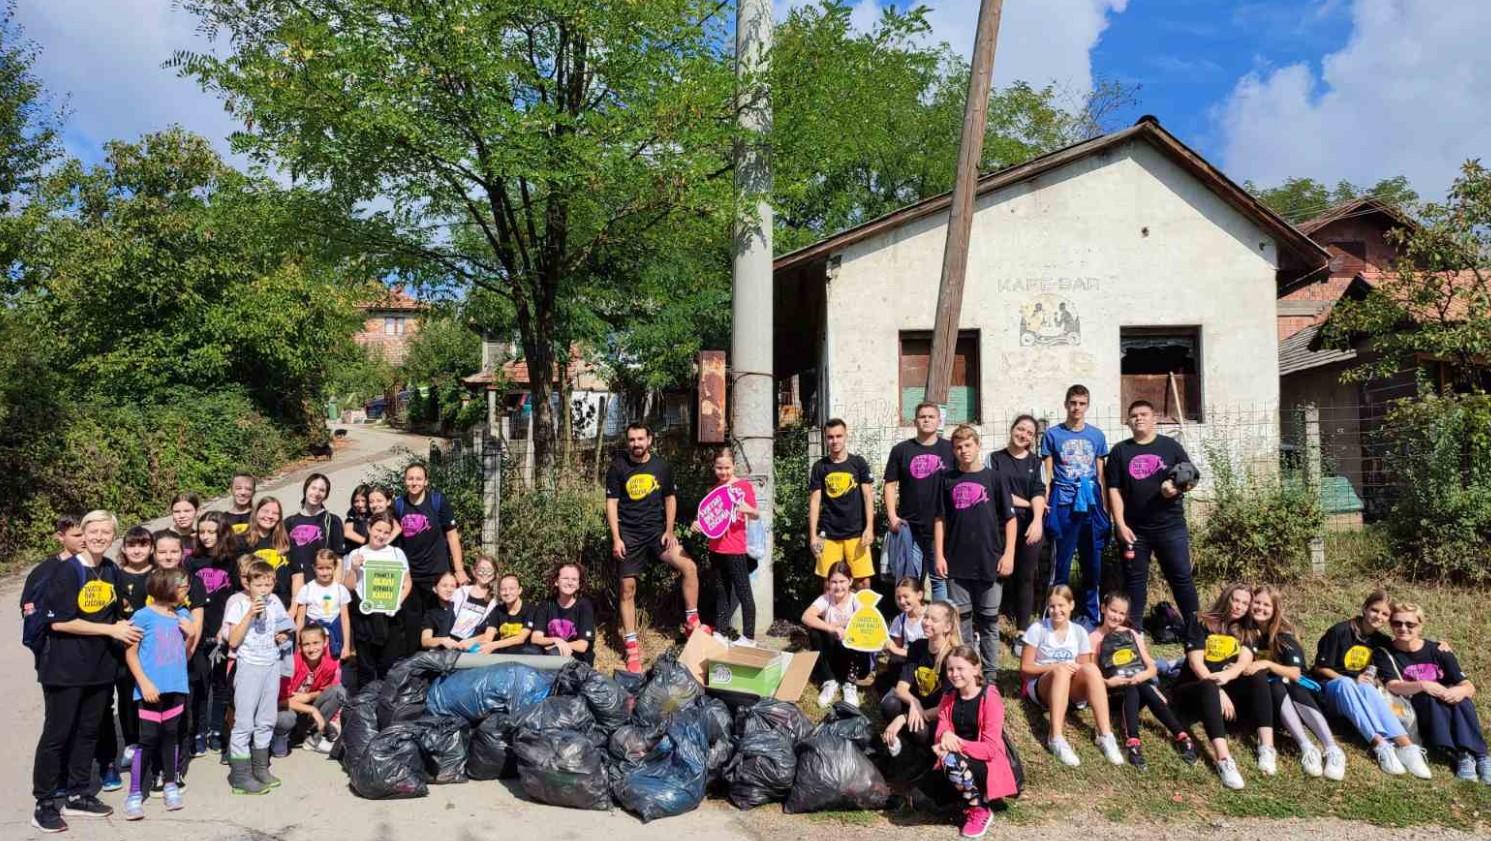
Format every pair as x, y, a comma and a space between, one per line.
566, 413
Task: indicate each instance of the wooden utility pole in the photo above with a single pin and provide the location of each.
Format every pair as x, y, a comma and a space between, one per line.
960, 219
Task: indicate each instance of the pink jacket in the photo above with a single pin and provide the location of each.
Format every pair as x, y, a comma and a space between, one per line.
990, 745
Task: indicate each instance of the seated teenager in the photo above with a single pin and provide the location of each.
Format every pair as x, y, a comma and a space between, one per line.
969, 741
439, 624
473, 605
1128, 671
512, 619
1281, 659
1055, 665
1341, 660
565, 626
310, 697
912, 705
1441, 694
827, 619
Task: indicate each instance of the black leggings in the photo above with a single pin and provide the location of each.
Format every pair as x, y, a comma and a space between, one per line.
835, 662
1132, 699
1202, 699
732, 585
160, 741
69, 737
1027, 558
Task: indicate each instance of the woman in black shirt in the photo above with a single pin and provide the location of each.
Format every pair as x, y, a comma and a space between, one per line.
1281, 660
912, 705
355, 525
566, 625
1128, 671
1019, 468
1437, 687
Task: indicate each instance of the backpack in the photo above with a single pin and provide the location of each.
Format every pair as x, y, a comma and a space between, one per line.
34, 624
436, 502
1017, 767
1165, 624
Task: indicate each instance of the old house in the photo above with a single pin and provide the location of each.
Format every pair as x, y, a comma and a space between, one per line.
1126, 263
389, 322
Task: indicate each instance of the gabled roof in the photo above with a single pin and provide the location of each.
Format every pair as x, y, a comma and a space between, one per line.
394, 300
1363, 206
1309, 254
1301, 352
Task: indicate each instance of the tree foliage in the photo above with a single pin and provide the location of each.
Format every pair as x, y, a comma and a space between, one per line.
1299, 199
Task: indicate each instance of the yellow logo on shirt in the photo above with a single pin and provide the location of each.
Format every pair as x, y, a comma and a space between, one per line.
240, 528
1220, 648
838, 483
271, 557
1123, 657
1357, 657
509, 629
95, 596
926, 681
640, 485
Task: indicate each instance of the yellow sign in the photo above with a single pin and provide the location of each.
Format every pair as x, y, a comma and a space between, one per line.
640, 485
1220, 648
1357, 657
838, 483
95, 596
867, 630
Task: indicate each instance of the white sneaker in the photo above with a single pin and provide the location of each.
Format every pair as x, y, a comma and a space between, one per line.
744, 642
1227, 768
1268, 761
1108, 743
1387, 759
893, 747
1311, 760
1335, 764
1412, 757
829, 692
1063, 752
851, 694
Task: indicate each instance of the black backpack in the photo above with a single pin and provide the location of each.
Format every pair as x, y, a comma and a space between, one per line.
1017, 767
1165, 624
34, 624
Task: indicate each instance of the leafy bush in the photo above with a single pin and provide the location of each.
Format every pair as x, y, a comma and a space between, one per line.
1259, 527
792, 569
1439, 454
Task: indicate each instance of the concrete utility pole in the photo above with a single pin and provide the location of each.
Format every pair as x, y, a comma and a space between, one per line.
753, 393
960, 219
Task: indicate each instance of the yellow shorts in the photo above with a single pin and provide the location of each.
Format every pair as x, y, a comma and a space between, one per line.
850, 552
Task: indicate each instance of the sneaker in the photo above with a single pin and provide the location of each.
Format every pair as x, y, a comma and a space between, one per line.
976, 822
747, 642
129, 755
1465, 768
851, 694
108, 778
1483, 769
172, 798
199, 745
1136, 756
134, 807
634, 657
1387, 760
1108, 743
312, 743
86, 806
157, 784
46, 817
893, 747
1412, 757
215, 742
828, 693
1227, 768
1335, 764
1064, 753
1268, 761
324, 744
1311, 760
1186, 747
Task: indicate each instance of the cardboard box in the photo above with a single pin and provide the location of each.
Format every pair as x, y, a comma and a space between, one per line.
750, 669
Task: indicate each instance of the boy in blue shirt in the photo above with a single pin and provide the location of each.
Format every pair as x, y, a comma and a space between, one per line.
1073, 453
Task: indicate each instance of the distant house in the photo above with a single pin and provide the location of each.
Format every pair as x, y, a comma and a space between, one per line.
389, 323
511, 381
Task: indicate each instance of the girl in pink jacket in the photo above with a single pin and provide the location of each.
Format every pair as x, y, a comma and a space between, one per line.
969, 741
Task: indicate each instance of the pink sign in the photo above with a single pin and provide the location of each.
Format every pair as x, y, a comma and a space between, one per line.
716, 511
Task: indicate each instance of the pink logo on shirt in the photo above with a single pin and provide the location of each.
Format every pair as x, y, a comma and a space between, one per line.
1145, 465
1423, 671
305, 534
562, 629
213, 579
414, 523
969, 494
925, 465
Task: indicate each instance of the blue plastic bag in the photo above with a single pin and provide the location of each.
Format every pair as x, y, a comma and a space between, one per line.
670, 781
756, 538
474, 694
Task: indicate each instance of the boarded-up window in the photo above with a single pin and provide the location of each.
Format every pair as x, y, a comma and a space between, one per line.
1162, 365
962, 396
1347, 255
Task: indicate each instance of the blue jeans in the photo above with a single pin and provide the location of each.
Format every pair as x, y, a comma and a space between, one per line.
1172, 548
1364, 707
929, 561
1076, 535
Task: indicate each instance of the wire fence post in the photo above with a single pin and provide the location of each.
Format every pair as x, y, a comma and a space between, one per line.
489, 449
1312, 481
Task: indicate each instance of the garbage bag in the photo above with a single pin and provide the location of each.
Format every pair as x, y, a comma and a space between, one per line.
562, 768
391, 768
631, 684
834, 773
670, 781
604, 696
718, 726
490, 753
444, 743
771, 714
847, 722
762, 769
359, 723
556, 712
669, 688
407, 685
631, 743
474, 694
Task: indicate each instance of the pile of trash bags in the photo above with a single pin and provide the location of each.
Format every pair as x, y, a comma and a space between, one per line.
654, 745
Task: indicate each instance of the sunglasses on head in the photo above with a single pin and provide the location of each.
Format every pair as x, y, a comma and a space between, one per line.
1400, 623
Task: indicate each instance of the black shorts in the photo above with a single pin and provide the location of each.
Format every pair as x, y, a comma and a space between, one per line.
640, 551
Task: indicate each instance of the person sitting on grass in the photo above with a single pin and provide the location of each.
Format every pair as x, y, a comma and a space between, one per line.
969, 742
311, 697
1128, 671
912, 705
565, 626
1441, 694
1056, 664
440, 630
1281, 659
512, 617
1342, 658
827, 619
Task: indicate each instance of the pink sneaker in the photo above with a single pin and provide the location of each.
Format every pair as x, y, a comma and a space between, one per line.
976, 821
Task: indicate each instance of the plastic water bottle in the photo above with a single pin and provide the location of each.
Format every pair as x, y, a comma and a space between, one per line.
1370, 672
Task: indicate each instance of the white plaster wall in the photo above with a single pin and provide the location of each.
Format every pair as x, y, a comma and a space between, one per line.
1077, 233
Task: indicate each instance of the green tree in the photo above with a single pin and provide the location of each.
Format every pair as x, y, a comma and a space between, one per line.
28, 134
1299, 199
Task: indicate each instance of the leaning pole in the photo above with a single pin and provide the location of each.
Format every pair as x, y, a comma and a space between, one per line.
753, 394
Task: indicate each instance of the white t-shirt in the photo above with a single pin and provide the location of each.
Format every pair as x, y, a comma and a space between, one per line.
1051, 647
323, 603
909, 631
469, 614
258, 647
387, 553
834, 614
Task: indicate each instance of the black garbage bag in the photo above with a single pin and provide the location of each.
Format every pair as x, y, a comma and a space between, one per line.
391, 768
669, 688
631, 743
562, 768
475, 694
408, 684
556, 713
671, 780
359, 723
444, 743
631, 685
834, 773
605, 697
771, 714
490, 754
719, 725
762, 769
847, 722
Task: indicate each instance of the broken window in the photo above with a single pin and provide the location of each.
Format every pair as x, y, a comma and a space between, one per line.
962, 395
1162, 365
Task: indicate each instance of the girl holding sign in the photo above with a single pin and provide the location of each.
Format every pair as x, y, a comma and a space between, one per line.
377, 635
722, 518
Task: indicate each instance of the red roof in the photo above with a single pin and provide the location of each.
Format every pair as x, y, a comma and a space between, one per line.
395, 299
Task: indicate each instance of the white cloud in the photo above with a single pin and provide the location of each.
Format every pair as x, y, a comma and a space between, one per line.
106, 58
1406, 95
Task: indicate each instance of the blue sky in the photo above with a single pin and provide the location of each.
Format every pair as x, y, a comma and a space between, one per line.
1265, 89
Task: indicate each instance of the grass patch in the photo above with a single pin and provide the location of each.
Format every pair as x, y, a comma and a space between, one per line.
854, 818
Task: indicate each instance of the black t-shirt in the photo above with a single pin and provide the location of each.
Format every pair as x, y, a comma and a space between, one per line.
1291, 653
238, 523
1428, 663
1137, 471
510, 624
77, 659
841, 511
423, 536
922, 675
965, 717
1118, 654
359, 523
640, 490
309, 534
264, 550
974, 508
218, 580
915, 468
132, 590
1020, 476
439, 621
1342, 649
1220, 649
576, 622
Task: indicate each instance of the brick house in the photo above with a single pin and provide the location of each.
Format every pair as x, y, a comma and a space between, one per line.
389, 323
